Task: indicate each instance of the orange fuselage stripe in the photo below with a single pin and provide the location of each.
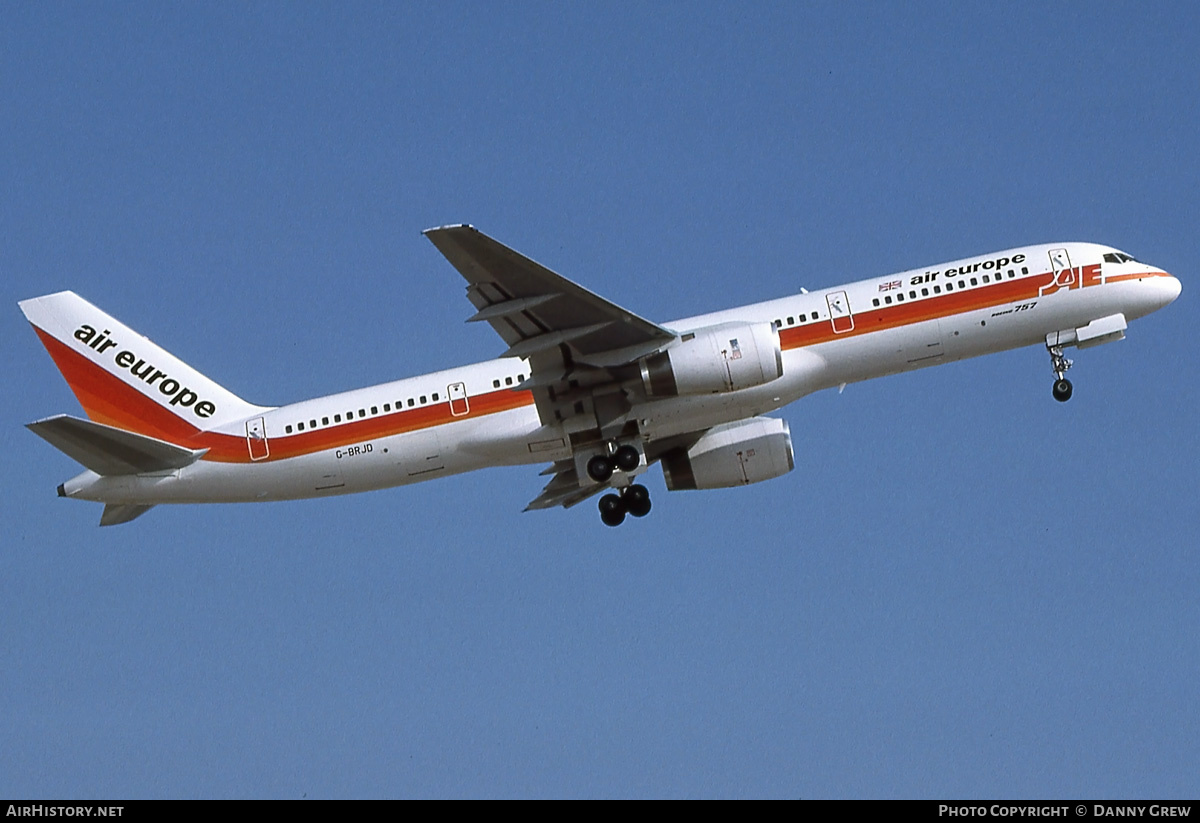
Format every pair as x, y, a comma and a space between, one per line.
109, 400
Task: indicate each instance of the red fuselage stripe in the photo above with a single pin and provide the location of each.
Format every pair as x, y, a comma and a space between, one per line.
109, 400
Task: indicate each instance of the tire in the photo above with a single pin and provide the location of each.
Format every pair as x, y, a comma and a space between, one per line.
637, 500
612, 510
600, 468
627, 458
1062, 390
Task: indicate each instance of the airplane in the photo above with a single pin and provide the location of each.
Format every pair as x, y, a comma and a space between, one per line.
594, 390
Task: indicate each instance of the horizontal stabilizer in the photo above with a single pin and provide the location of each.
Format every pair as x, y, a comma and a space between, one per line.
111, 451
117, 513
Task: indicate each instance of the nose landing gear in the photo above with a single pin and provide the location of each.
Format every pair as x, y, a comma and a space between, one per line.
1059, 363
1062, 390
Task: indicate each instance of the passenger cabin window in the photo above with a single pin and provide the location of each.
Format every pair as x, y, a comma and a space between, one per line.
337, 418
374, 410
300, 426
324, 421
289, 429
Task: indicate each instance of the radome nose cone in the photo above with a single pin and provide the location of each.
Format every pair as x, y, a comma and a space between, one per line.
1173, 288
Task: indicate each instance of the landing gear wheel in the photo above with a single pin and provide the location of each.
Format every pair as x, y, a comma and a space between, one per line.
612, 510
1062, 390
627, 458
1059, 363
600, 468
637, 500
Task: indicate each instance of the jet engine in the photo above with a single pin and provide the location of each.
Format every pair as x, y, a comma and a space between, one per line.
734, 454
722, 358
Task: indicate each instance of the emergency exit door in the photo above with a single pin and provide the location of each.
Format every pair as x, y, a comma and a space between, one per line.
459, 404
256, 439
839, 312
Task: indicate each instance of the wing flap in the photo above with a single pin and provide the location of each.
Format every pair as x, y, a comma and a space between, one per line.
563, 489
107, 450
509, 307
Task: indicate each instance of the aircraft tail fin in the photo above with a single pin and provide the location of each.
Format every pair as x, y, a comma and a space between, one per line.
124, 380
117, 513
107, 450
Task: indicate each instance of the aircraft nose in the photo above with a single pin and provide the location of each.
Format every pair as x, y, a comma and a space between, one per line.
1165, 290
1171, 289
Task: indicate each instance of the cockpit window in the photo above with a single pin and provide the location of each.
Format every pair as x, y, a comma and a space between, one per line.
1119, 257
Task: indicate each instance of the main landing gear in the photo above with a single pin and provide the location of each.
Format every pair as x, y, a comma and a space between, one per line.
601, 467
632, 499
1062, 386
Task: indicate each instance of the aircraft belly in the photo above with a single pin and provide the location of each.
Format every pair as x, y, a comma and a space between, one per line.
886, 351
514, 437
1023, 323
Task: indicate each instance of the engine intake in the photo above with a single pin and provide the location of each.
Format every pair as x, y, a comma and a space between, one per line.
716, 359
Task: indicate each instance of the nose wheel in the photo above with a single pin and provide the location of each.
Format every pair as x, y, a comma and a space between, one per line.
633, 500
1059, 363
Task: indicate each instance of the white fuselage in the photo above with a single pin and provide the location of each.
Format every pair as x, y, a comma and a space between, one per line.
477, 416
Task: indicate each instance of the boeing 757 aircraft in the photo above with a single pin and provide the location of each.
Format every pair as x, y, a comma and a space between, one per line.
592, 389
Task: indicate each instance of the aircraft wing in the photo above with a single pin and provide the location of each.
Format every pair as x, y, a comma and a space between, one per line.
576, 342
535, 310
564, 488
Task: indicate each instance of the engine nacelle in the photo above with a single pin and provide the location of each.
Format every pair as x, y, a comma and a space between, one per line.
721, 358
735, 454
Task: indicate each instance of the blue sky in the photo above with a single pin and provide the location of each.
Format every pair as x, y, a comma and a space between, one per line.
965, 589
